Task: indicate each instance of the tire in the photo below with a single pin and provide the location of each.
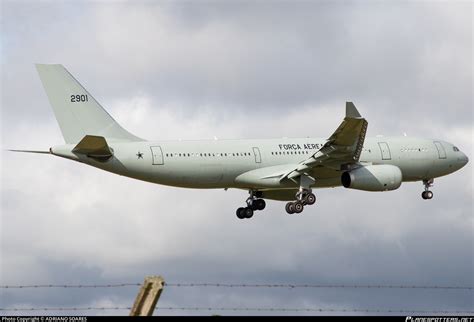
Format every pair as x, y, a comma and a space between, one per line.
248, 212
240, 213
424, 195
254, 205
310, 199
298, 207
260, 204
290, 208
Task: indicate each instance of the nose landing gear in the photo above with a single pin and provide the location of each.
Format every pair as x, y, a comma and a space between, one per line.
427, 194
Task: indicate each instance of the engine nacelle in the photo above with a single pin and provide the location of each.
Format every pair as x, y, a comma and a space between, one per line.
381, 177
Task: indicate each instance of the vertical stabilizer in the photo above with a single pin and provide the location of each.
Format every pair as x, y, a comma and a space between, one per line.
76, 111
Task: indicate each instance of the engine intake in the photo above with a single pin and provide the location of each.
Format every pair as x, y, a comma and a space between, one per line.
381, 177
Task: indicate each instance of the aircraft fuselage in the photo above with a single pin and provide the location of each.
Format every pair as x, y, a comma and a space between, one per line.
219, 163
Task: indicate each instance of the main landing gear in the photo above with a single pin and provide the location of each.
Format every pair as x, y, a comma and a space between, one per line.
253, 204
304, 197
427, 194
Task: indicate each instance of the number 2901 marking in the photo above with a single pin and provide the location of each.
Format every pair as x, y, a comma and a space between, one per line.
79, 98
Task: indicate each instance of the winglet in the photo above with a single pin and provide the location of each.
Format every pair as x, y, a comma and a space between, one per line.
351, 111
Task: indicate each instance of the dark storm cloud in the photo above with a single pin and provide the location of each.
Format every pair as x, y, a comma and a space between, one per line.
238, 69
254, 57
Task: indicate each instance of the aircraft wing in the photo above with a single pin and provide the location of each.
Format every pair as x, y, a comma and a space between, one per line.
342, 149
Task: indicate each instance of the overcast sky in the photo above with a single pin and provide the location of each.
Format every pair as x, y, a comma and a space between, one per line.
237, 69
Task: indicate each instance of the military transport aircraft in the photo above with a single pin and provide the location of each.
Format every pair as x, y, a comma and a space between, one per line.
278, 169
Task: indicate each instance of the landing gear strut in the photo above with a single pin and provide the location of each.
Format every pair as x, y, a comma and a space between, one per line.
427, 194
304, 197
253, 204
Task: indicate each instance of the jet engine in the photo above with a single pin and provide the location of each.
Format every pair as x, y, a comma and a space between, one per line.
381, 177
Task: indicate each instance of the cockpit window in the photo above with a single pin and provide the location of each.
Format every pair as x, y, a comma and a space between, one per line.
455, 149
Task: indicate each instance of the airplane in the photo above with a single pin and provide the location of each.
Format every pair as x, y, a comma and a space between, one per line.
273, 169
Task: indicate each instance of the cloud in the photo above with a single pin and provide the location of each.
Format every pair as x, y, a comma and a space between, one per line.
167, 71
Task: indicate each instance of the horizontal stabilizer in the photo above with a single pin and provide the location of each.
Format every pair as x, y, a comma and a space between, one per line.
94, 147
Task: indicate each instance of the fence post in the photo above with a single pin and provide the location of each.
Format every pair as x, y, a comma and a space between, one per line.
148, 296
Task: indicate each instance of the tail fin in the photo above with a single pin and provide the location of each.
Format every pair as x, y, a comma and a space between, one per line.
76, 111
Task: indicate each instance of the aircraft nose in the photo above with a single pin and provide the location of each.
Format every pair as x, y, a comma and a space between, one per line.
463, 159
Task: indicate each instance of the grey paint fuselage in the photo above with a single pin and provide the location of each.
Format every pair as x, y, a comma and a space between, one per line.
224, 163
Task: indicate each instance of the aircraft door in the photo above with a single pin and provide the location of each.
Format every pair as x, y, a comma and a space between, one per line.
258, 157
440, 148
157, 155
385, 151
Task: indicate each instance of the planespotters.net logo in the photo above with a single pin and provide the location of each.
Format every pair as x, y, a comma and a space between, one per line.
439, 319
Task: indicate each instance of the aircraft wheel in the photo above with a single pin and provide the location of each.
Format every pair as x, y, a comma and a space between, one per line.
248, 212
298, 207
310, 199
290, 208
254, 205
260, 204
240, 213
427, 195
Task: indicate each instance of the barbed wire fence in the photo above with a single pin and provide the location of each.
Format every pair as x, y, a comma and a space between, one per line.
245, 309
248, 309
237, 285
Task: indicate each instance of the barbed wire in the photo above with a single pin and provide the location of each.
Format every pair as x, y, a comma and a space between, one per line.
232, 285
70, 285
290, 286
248, 309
